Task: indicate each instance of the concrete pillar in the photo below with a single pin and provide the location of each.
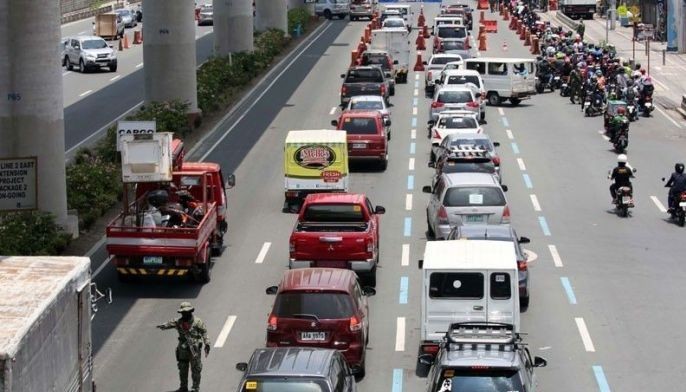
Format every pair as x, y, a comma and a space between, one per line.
31, 97
169, 52
271, 14
295, 4
233, 26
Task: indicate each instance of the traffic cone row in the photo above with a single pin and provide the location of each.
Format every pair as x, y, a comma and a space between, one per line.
535, 49
137, 37
353, 58
421, 45
513, 23
425, 32
419, 65
421, 20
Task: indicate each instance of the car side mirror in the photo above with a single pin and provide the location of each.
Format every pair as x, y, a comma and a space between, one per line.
343, 76
426, 359
334, 123
420, 264
504, 188
425, 63
242, 366
437, 81
379, 210
111, 47
387, 122
496, 144
524, 240
540, 362
395, 62
271, 290
426, 189
368, 291
230, 181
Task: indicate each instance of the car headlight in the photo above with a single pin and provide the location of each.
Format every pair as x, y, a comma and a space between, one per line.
90, 57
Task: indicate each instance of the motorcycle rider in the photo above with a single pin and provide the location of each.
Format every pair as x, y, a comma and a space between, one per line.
545, 71
616, 122
621, 175
575, 80
676, 185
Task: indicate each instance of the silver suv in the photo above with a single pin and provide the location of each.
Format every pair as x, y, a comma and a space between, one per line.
331, 8
480, 357
88, 52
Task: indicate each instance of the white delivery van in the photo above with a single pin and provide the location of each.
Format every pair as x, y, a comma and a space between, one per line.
395, 42
505, 78
467, 281
405, 11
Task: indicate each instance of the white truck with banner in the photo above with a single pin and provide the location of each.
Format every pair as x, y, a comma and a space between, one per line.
396, 42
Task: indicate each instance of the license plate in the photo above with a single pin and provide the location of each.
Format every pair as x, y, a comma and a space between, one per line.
475, 218
359, 145
312, 336
152, 260
626, 199
682, 204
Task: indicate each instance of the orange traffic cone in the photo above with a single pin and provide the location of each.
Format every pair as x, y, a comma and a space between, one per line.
353, 58
419, 65
527, 37
362, 46
482, 17
126, 42
425, 32
506, 14
137, 37
421, 20
367, 35
482, 42
421, 45
534, 45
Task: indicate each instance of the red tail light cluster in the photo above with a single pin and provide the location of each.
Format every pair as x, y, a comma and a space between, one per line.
437, 135
344, 90
430, 349
272, 323
472, 104
442, 216
355, 324
436, 104
506, 215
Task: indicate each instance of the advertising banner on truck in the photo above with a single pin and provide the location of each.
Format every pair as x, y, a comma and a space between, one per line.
316, 160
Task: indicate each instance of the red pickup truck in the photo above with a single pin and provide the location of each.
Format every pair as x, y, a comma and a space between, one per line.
337, 230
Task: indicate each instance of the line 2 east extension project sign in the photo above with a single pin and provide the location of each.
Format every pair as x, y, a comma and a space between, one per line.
18, 184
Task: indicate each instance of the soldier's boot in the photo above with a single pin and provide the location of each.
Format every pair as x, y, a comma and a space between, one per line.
183, 375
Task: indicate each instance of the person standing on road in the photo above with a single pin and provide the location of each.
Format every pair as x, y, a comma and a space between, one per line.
581, 29
575, 81
192, 337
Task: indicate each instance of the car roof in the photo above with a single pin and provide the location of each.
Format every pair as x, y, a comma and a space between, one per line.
361, 113
290, 361
306, 279
474, 179
336, 197
480, 231
460, 254
466, 72
86, 37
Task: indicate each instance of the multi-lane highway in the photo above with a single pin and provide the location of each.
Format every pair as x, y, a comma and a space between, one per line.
606, 294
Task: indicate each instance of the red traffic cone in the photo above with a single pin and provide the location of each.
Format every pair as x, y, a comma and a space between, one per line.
421, 45
419, 65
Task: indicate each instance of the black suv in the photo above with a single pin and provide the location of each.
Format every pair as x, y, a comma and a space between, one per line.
285, 369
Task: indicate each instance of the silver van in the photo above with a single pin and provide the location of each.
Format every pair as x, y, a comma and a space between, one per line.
505, 78
332, 8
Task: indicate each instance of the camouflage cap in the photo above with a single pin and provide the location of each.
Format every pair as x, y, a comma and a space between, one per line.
185, 307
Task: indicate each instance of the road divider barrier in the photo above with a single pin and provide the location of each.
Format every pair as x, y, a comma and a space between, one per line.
425, 32
535, 48
491, 26
527, 38
522, 32
353, 58
419, 65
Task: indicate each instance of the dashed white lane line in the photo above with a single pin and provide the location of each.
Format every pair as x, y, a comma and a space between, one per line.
557, 260
676, 124
534, 201
416, 76
585, 336
408, 202
602, 133
66, 73
509, 134
413, 134
501, 111
658, 204
400, 334
405, 255
139, 65
85, 93
115, 78
102, 267
414, 111
263, 253
226, 330
332, 111
410, 166
520, 163
416, 92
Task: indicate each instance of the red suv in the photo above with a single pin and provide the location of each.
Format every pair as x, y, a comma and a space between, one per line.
321, 307
367, 135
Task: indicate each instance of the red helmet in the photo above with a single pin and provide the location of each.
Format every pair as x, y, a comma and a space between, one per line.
621, 111
643, 71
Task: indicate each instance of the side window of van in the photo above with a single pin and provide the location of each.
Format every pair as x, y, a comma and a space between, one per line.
497, 69
459, 285
477, 66
500, 285
521, 69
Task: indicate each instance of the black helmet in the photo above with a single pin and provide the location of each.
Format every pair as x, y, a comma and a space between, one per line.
679, 167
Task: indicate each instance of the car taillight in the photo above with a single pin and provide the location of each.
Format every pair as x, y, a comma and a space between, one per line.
430, 349
437, 135
291, 246
506, 215
436, 104
344, 90
272, 323
472, 104
355, 324
496, 160
522, 265
383, 89
442, 216
370, 246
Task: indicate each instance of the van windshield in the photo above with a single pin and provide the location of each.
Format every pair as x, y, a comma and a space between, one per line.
474, 196
482, 380
284, 384
446, 31
329, 306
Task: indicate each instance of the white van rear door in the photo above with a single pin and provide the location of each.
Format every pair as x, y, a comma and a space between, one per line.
503, 300
523, 77
453, 297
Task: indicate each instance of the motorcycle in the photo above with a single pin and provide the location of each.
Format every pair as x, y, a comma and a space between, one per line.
593, 105
565, 89
624, 199
557, 83
678, 212
646, 105
621, 137
631, 112
541, 85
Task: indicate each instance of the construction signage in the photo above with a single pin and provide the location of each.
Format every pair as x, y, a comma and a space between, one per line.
18, 184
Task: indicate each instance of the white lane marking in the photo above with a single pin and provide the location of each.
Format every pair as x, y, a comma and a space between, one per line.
226, 329
509, 134
139, 65
263, 253
414, 111
557, 260
259, 97
413, 134
520, 163
534, 201
82, 32
405, 255
408, 202
416, 76
602, 133
102, 266
416, 92
332, 111
95, 247
410, 166
207, 32
676, 124
400, 334
501, 111
66, 73
115, 78
658, 204
585, 336
83, 94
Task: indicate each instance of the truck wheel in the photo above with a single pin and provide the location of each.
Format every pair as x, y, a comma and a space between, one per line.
218, 245
493, 99
369, 279
327, 14
204, 275
82, 66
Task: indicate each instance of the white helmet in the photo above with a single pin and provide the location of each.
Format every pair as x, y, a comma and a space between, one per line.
621, 158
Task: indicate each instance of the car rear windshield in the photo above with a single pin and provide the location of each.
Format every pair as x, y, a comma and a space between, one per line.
458, 123
444, 60
478, 143
364, 76
460, 96
94, 44
327, 306
333, 213
472, 196
359, 126
393, 23
283, 384
459, 285
480, 165
376, 59
453, 44
366, 105
480, 380
464, 79
451, 32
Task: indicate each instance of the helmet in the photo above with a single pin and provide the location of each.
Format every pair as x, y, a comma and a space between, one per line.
599, 72
648, 81
185, 307
621, 158
559, 56
635, 74
679, 167
643, 71
621, 110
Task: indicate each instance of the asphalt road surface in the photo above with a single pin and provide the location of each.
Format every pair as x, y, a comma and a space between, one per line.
606, 291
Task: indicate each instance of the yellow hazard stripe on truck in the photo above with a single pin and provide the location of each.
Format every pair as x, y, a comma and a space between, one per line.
159, 272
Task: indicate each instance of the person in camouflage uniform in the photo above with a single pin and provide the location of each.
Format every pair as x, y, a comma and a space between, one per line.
192, 337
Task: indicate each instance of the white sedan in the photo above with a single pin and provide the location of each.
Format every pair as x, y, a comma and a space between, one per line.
452, 122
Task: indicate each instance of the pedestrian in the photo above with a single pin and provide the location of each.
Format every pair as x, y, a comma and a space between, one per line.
192, 337
581, 29
635, 26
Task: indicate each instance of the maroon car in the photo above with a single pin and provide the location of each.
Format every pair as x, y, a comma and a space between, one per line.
321, 307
